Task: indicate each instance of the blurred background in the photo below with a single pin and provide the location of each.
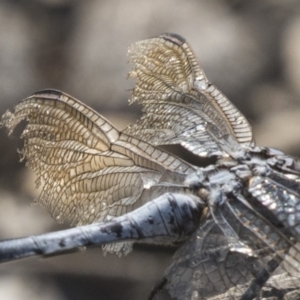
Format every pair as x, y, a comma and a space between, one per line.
249, 49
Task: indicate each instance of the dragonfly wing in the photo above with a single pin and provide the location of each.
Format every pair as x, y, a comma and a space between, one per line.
88, 170
276, 186
211, 262
204, 266
180, 105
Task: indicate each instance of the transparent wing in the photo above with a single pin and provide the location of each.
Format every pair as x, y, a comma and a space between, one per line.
180, 105
204, 266
280, 194
88, 170
209, 263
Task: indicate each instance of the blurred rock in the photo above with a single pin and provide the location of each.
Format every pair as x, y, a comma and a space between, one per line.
18, 218
17, 49
280, 131
56, 3
291, 54
222, 41
270, 98
14, 287
277, 113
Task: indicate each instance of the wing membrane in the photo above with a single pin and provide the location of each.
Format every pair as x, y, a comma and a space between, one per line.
208, 265
87, 168
204, 266
180, 105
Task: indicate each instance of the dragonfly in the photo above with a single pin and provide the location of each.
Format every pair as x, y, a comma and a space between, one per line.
236, 221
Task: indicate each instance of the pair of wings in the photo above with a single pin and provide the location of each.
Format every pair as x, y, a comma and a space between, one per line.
90, 171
